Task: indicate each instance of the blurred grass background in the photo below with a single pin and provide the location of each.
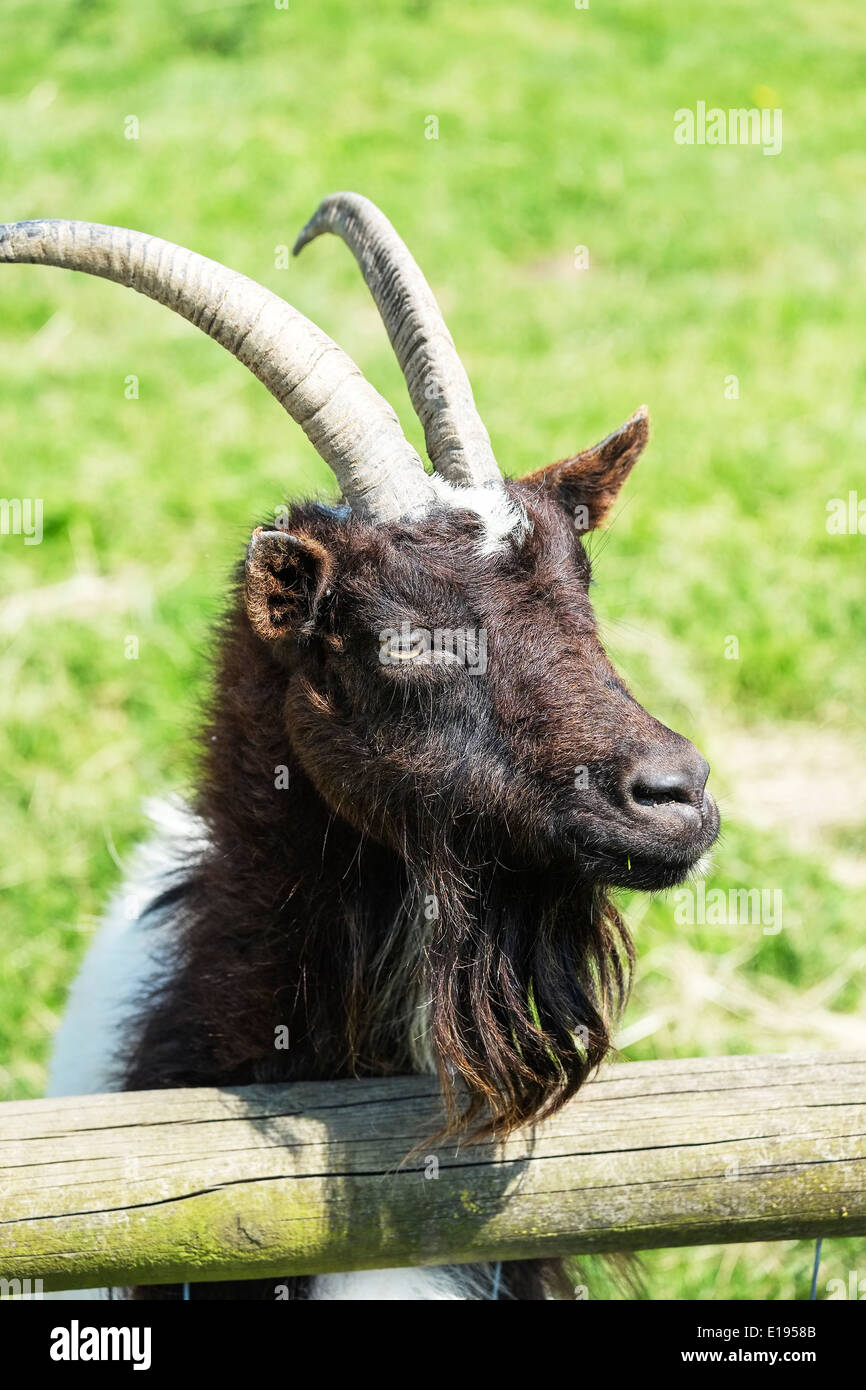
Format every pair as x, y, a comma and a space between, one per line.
555, 131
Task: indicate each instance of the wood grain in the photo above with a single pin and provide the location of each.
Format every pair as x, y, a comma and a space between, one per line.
160, 1186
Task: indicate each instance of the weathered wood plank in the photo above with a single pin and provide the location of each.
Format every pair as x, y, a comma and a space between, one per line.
161, 1186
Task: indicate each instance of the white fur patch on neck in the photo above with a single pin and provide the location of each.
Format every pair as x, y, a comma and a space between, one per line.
130, 955
439, 1283
499, 514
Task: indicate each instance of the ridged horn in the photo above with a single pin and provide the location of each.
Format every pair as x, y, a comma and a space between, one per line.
354, 430
457, 442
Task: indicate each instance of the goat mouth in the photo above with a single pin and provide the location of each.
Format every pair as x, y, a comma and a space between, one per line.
655, 848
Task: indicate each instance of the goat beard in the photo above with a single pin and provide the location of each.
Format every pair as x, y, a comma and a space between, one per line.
526, 970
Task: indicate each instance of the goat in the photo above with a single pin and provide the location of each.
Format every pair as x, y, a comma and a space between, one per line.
403, 847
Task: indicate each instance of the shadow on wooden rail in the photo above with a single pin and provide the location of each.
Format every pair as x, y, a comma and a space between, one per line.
267, 1181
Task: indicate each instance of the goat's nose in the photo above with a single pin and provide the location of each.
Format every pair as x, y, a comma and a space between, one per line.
668, 781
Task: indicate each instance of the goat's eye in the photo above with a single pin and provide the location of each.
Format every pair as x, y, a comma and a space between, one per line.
402, 644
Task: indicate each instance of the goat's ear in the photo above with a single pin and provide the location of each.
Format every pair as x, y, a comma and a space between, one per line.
588, 483
286, 576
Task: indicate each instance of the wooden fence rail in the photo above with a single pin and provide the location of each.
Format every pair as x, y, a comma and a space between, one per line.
265, 1181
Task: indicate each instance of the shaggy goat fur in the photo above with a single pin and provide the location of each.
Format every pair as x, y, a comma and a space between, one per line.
420, 775
393, 865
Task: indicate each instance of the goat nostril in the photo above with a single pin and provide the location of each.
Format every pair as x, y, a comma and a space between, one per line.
656, 783
655, 793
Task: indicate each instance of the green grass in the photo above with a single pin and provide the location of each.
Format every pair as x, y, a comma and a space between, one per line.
555, 131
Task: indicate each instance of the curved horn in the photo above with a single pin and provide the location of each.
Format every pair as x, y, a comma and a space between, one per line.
457, 442
345, 419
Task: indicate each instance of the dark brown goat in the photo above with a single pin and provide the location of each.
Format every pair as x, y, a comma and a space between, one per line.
421, 775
